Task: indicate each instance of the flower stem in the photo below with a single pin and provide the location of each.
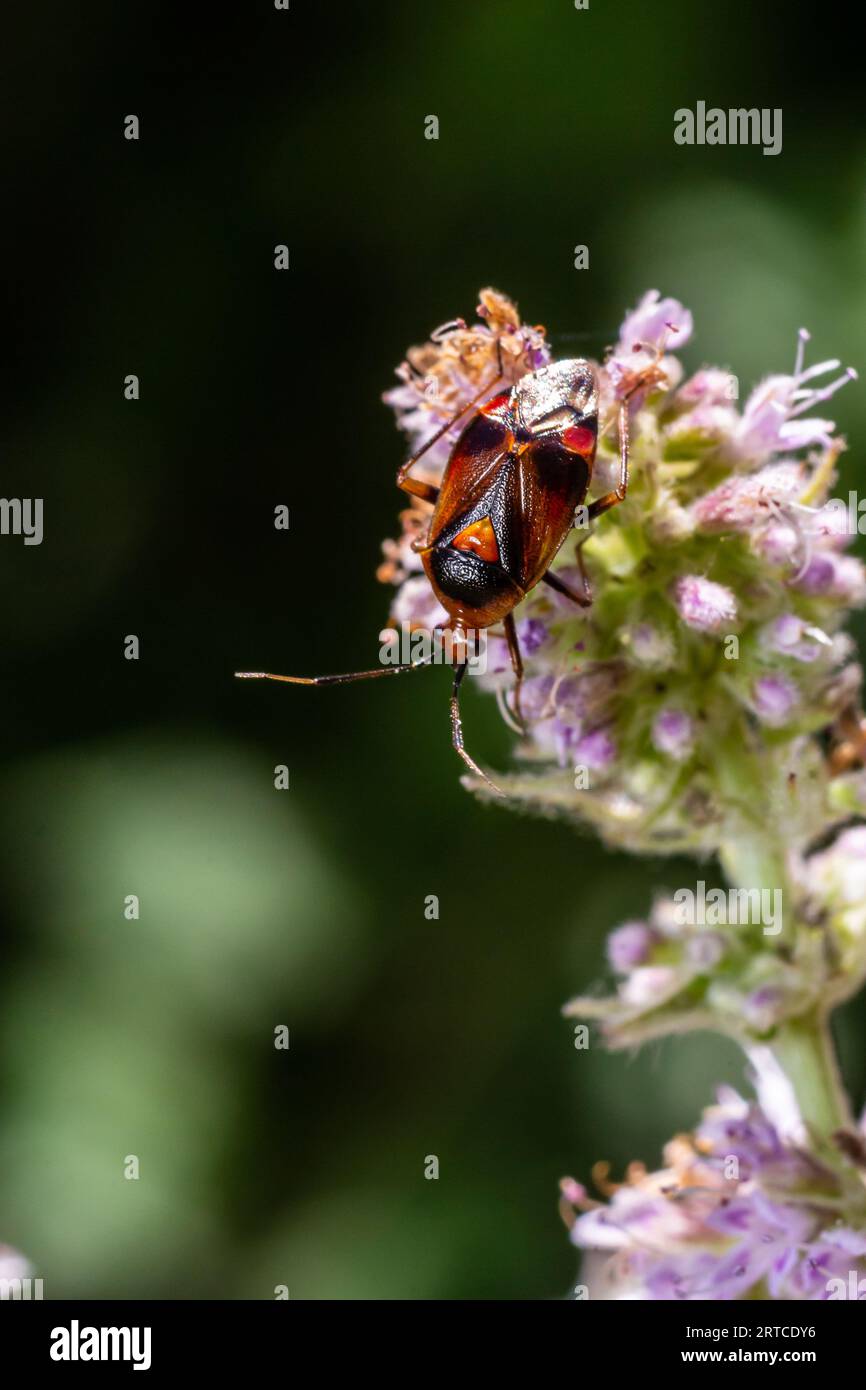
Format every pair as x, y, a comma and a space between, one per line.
804, 1049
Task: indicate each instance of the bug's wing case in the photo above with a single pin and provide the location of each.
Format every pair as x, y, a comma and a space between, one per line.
468, 477
531, 499
552, 483
553, 479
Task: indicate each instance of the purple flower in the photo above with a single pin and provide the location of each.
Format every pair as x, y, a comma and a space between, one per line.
831, 1267
841, 576
653, 320
595, 750
773, 699
673, 733
707, 401
846, 580
771, 418
763, 1231
440, 377
588, 692
737, 1212
778, 543
498, 656
818, 575
650, 646
830, 524
761, 1008
837, 875
736, 1127
629, 946
710, 386
745, 499
536, 696
703, 605
791, 636
705, 949
650, 329
417, 604
566, 737
532, 633
650, 985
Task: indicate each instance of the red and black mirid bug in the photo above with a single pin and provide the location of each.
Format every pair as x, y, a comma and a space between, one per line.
516, 476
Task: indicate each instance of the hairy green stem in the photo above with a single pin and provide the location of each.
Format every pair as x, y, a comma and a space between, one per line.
802, 1046
804, 1049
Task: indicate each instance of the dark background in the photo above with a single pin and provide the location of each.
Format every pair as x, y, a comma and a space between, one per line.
155, 777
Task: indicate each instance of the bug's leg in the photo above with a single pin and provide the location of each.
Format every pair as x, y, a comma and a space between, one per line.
427, 491
581, 565
517, 667
395, 670
612, 499
584, 599
415, 487
457, 730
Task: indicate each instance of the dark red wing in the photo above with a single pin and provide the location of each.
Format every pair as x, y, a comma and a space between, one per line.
550, 482
471, 472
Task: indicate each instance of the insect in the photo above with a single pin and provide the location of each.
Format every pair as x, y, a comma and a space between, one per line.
848, 740
519, 470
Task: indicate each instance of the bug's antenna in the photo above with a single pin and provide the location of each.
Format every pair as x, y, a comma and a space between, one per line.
395, 670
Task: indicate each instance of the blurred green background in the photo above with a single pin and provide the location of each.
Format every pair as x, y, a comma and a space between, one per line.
305, 908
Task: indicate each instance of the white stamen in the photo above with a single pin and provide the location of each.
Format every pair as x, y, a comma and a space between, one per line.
818, 635
815, 396
818, 370
783, 513
803, 337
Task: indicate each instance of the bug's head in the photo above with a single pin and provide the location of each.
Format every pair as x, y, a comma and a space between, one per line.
557, 397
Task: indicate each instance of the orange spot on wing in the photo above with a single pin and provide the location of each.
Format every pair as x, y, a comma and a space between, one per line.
479, 539
495, 403
579, 439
